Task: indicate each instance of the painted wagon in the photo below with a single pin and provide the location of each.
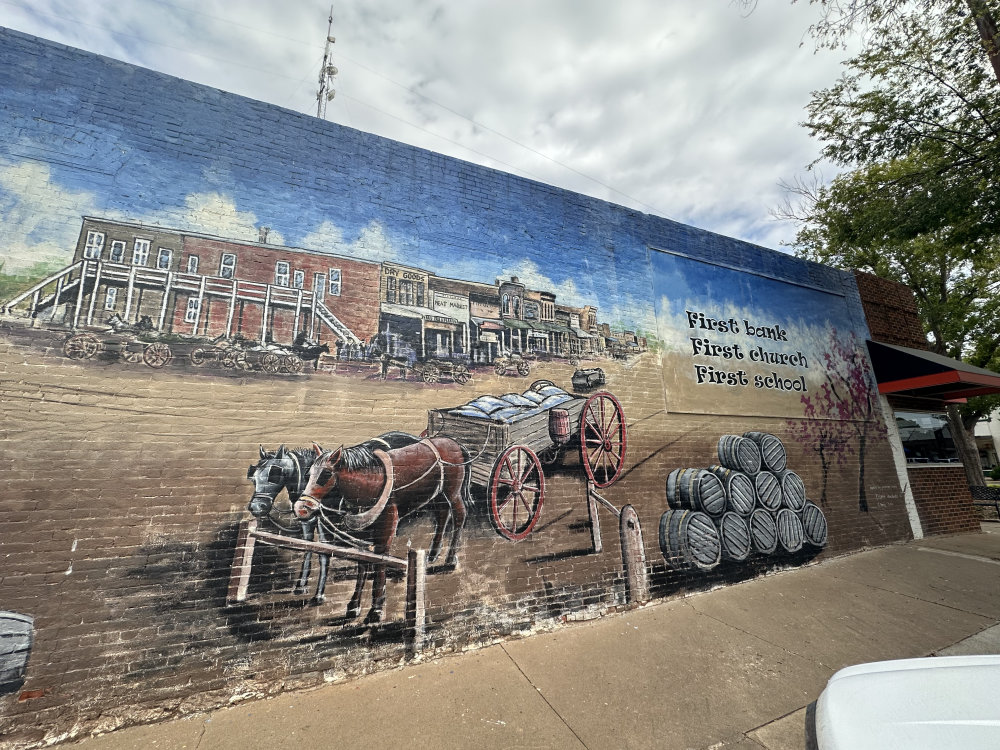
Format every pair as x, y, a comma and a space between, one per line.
511, 438
126, 346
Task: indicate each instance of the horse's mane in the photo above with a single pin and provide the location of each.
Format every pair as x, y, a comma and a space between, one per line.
359, 458
306, 456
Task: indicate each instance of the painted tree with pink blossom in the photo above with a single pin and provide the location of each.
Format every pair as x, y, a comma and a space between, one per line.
843, 413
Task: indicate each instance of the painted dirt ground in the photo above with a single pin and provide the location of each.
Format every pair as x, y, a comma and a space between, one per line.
134, 481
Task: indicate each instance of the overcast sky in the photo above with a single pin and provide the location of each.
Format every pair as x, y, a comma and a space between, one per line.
687, 109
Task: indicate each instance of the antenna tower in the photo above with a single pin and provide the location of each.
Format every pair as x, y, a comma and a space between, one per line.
326, 73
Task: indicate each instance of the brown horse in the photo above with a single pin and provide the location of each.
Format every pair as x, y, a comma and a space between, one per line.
372, 489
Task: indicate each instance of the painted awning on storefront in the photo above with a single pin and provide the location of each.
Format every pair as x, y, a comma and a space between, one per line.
580, 333
916, 373
488, 324
544, 326
419, 313
517, 324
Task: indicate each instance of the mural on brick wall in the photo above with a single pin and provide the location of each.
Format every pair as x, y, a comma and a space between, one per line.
473, 405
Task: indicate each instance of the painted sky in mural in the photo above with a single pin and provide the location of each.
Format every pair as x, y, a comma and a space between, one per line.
321, 192
735, 340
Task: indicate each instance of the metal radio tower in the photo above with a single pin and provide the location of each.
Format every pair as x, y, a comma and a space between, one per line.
326, 73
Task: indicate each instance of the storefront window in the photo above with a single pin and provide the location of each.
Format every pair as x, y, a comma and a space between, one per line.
926, 437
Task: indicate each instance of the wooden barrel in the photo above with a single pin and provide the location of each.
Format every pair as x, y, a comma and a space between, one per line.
16, 635
772, 450
813, 525
793, 491
696, 489
763, 531
790, 533
734, 536
689, 539
559, 426
768, 488
740, 453
740, 494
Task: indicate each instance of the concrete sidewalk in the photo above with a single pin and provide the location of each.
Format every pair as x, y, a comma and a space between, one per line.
730, 668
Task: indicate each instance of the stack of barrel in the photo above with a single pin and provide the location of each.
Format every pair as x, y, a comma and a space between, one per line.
749, 502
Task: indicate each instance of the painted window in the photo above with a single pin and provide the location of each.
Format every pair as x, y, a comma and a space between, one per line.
281, 273
334, 288
227, 266
193, 308
163, 258
140, 252
192, 265
442, 345
390, 289
117, 251
506, 304
517, 307
111, 298
319, 284
299, 279
407, 295
94, 246
420, 294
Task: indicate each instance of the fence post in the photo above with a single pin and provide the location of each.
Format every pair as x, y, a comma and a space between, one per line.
239, 577
633, 557
416, 579
595, 519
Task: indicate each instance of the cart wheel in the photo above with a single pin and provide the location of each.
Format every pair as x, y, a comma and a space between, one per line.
500, 368
156, 355
228, 358
523, 368
241, 361
128, 353
292, 364
431, 374
539, 384
197, 357
81, 346
270, 363
517, 488
461, 374
603, 439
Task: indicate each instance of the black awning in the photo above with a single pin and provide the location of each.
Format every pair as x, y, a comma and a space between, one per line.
921, 374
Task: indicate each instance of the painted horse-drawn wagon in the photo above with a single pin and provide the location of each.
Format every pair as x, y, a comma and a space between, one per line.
133, 343
511, 438
353, 498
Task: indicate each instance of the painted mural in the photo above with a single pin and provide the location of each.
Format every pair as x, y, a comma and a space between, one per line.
446, 381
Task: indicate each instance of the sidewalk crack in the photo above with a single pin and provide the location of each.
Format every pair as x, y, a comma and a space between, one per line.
542, 696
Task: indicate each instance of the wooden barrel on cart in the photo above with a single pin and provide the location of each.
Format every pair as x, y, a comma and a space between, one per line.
734, 537
768, 488
790, 533
689, 539
813, 525
740, 494
793, 491
696, 489
740, 453
763, 531
772, 450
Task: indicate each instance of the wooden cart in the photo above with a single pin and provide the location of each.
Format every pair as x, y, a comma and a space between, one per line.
508, 451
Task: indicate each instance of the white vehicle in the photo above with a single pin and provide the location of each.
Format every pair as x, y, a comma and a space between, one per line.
938, 702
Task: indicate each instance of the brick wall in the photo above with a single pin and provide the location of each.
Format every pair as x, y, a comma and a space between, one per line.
943, 500
125, 486
891, 311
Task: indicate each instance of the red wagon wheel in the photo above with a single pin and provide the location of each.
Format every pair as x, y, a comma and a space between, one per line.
517, 488
603, 439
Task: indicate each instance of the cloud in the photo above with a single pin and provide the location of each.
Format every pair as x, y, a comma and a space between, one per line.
217, 214
39, 220
529, 274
